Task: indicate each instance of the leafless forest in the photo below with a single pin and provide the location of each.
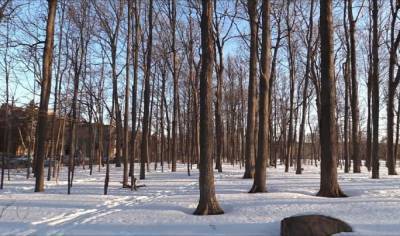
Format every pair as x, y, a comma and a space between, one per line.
152, 83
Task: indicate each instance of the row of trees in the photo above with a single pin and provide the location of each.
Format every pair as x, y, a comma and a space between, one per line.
170, 78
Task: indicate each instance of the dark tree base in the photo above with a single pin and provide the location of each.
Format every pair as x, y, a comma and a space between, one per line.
248, 175
332, 193
211, 208
218, 167
257, 189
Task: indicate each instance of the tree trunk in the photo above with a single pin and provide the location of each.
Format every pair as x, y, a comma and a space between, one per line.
329, 186
72, 131
251, 110
354, 94
368, 154
396, 143
134, 93
176, 94
7, 130
292, 74
208, 204
305, 90
109, 150
346, 118
44, 97
57, 87
375, 91
127, 96
259, 184
219, 126
144, 154
392, 86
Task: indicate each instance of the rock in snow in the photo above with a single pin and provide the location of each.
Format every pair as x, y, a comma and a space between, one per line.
313, 225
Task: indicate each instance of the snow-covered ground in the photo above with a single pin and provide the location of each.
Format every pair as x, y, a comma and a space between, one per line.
165, 205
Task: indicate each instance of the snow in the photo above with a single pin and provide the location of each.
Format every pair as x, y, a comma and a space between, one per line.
166, 204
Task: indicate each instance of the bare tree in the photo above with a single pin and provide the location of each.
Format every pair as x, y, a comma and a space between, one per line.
259, 184
291, 50
7, 130
127, 97
329, 186
375, 91
221, 38
305, 89
354, 93
251, 103
112, 27
175, 82
146, 106
393, 83
44, 97
208, 204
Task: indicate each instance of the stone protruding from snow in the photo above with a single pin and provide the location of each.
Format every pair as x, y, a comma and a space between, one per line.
313, 225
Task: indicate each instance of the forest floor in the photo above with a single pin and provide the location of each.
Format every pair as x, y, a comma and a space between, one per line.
166, 204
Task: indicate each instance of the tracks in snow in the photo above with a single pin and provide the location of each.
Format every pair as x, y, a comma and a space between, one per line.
63, 223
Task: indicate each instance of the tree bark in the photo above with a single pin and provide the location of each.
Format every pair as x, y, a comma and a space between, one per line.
136, 14
208, 204
354, 93
347, 92
292, 74
127, 96
144, 155
176, 94
251, 110
375, 91
44, 97
259, 184
392, 86
305, 90
329, 186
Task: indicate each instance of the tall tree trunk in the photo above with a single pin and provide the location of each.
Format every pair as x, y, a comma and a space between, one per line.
118, 120
127, 97
7, 130
251, 110
292, 71
396, 143
136, 14
347, 88
305, 90
72, 131
346, 118
208, 204
109, 150
354, 93
146, 106
329, 186
219, 126
163, 85
392, 86
259, 184
56, 93
176, 94
368, 154
150, 157
375, 91
369, 132
44, 97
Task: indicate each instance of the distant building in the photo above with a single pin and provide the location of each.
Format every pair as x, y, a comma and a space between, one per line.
18, 136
